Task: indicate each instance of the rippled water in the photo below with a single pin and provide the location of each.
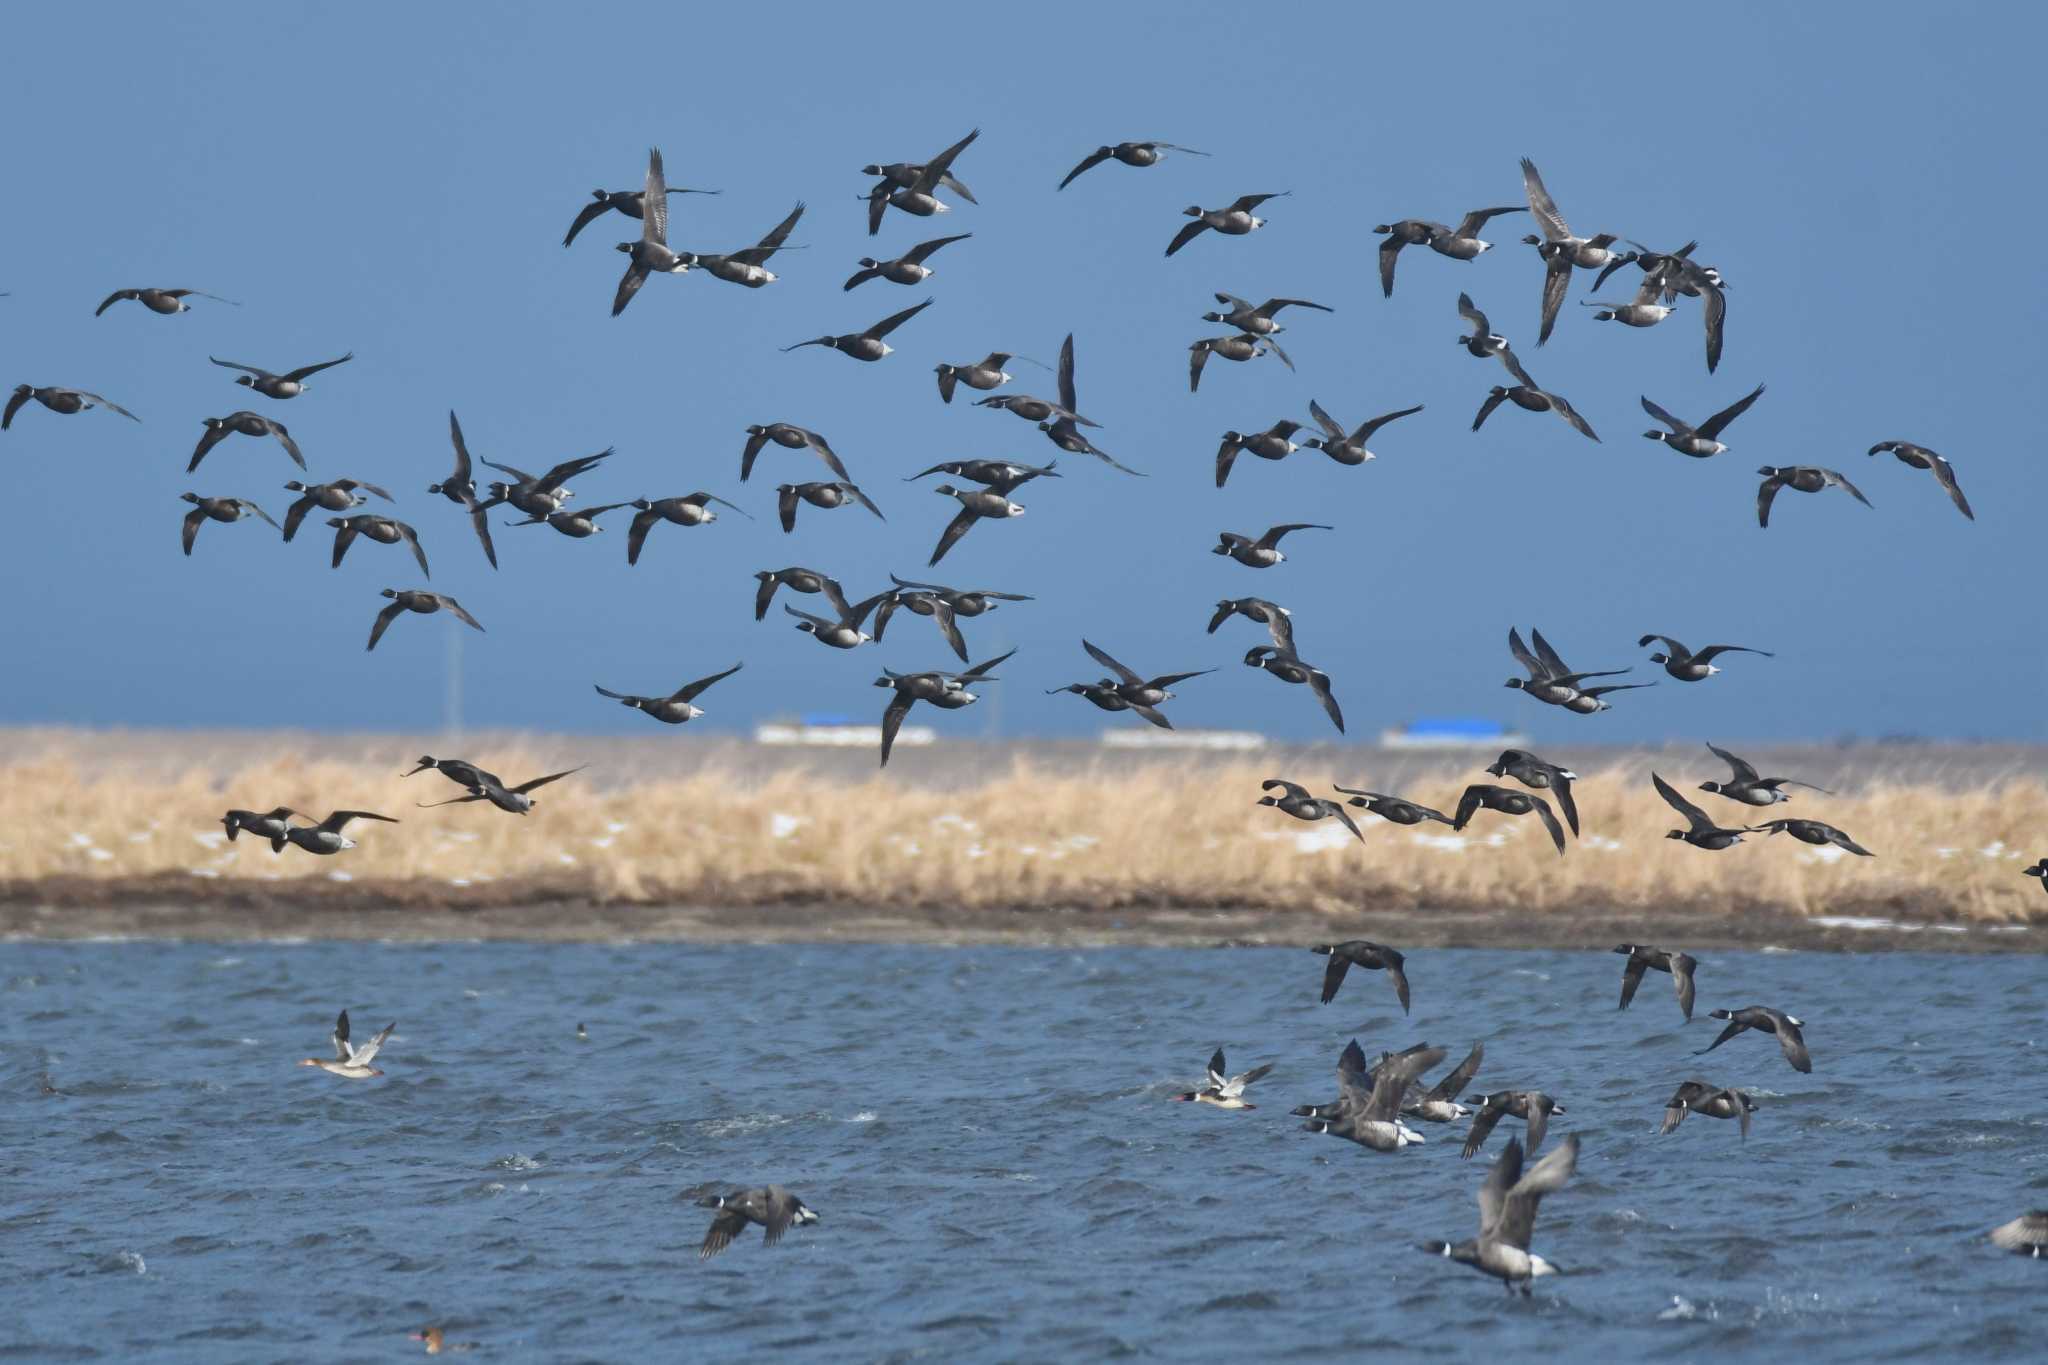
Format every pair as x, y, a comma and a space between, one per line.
987, 1137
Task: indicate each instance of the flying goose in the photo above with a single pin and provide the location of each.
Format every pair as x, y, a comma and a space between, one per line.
1507, 1216
1358, 952
512, 800
1439, 1104
1764, 1019
1815, 832
1800, 479
844, 630
1483, 342
1532, 771
1258, 321
247, 424
577, 524
1243, 346
909, 268
459, 771
998, 476
1290, 667
2026, 1234
337, 496
1278, 621
2039, 869
1549, 680
1525, 395
1686, 666
1479, 796
749, 265
828, 495
798, 580
1533, 1107
165, 301
1223, 1090
270, 824
1588, 701
383, 530
1263, 552
1274, 443
945, 690
942, 605
983, 375
350, 1062
216, 509
1234, 220
326, 837
1373, 1119
1033, 409
866, 345
1406, 232
1642, 958
976, 504
290, 384
1393, 808
538, 497
1141, 693
1751, 789
1920, 457
1349, 450
1560, 248
911, 187
773, 1207
1130, 154
1462, 243
675, 708
1701, 441
1701, 832
1643, 310
688, 510
1294, 800
1708, 1101
651, 252
63, 402
790, 437
460, 489
628, 202
420, 600
1063, 425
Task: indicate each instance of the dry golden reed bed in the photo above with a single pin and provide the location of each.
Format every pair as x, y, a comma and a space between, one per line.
1026, 837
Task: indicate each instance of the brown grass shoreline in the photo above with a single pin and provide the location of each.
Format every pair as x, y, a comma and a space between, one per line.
1026, 850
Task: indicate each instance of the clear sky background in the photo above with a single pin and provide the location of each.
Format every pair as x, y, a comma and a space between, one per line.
397, 182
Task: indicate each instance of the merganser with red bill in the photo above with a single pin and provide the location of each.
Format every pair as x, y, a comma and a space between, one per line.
1225, 1092
349, 1061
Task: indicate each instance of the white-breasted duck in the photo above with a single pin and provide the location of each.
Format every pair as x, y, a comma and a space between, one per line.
1274, 443
1549, 679
1278, 621
1148, 153
1290, 667
843, 631
1525, 395
537, 497
1700, 831
1358, 952
1641, 958
1816, 832
1393, 808
1687, 666
511, 800
651, 252
773, 1207
909, 268
1224, 1091
789, 436
383, 530
1508, 1200
326, 838
828, 494
1439, 1103
1294, 800
290, 384
1372, 1117
628, 202
1462, 243
983, 375
1140, 692
1262, 553
976, 504
1406, 232
1258, 321
1532, 771
798, 579
1764, 1019
1920, 457
1749, 787
1233, 220
165, 301
418, 600
998, 476
691, 509
675, 708
216, 509
1560, 248
866, 345
1701, 441
338, 496
269, 824
1533, 1107
579, 524
912, 187
1240, 346
749, 265
1349, 450
2026, 1234
64, 402
1708, 1101
937, 687
1481, 796
1800, 479
351, 1062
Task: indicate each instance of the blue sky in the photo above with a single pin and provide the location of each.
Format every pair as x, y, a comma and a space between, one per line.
402, 192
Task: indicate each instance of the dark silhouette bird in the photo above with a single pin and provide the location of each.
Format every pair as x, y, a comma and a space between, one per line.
270, 824
1142, 695
1358, 952
1920, 457
1062, 424
1406, 232
1815, 832
1234, 220
216, 509
675, 708
1479, 796
1642, 958
1764, 1019
63, 402
460, 488
1686, 666
425, 603
1294, 800
1532, 771
1701, 441
1130, 154
1290, 667
1700, 831
1393, 808
790, 437
1533, 1107
773, 1207
1709, 1101
866, 345
1751, 789
1278, 621
1800, 479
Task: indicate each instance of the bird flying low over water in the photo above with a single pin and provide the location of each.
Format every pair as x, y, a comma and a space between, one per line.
1358, 952
165, 301
1508, 1200
1642, 958
773, 1207
1233, 220
513, 800
290, 384
1368, 1109
1130, 154
416, 599
1224, 1091
350, 1062
64, 402
1920, 457
1294, 800
1709, 1101
2026, 1234
1533, 1107
1764, 1019
217, 509
937, 687
675, 708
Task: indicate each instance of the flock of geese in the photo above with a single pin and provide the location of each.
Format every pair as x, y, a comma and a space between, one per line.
1376, 1101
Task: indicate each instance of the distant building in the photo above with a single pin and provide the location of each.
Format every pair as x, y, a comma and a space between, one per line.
1152, 737
833, 731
